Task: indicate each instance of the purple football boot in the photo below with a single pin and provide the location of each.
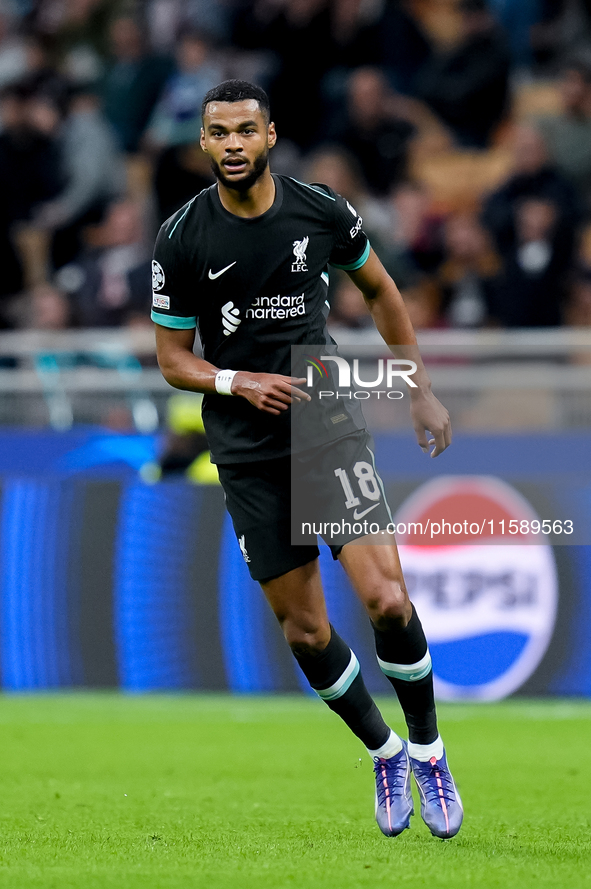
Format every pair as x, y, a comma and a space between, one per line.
441, 806
394, 804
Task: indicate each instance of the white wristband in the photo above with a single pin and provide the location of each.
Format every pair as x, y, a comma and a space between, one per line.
223, 381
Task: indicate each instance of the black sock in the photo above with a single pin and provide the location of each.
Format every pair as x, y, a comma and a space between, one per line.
397, 649
333, 667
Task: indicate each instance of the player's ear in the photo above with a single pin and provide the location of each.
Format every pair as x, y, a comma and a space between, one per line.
202, 140
271, 135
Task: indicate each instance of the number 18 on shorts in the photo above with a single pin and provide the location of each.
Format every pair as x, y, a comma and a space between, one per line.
336, 492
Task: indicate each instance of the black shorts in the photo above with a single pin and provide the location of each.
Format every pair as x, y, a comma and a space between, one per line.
279, 507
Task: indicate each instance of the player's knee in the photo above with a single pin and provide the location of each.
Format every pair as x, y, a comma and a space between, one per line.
389, 606
306, 638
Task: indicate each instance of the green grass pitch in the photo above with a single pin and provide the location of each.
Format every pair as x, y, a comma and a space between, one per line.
104, 791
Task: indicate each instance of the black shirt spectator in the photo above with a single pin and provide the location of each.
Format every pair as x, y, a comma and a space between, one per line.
533, 219
29, 174
532, 287
404, 48
355, 35
372, 133
533, 176
181, 172
468, 86
299, 36
111, 282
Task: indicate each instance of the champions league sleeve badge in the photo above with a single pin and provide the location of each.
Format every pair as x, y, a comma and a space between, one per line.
157, 276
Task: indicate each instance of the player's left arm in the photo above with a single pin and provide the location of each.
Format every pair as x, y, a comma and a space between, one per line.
391, 319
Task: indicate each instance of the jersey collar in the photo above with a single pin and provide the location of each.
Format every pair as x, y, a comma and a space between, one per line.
254, 220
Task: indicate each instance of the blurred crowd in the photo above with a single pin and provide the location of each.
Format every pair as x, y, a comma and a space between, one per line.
460, 130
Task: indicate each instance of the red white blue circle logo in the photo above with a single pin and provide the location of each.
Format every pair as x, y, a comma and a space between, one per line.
487, 601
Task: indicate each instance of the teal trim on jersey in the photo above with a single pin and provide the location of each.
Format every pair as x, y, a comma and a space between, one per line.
408, 672
311, 187
180, 219
325, 278
174, 321
353, 266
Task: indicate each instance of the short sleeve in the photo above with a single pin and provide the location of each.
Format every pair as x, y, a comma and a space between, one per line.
173, 298
351, 245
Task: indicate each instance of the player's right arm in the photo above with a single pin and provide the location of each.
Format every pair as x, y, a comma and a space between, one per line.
174, 313
181, 368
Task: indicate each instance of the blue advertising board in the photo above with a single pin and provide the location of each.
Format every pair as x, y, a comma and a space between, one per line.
109, 582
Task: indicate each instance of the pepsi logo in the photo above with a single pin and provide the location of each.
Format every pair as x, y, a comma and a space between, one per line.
487, 602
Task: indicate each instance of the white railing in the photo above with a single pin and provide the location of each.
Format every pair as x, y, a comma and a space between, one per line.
73, 376
139, 341
548, 342
477, 344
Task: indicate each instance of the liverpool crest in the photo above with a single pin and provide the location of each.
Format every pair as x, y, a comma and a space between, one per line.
299, 251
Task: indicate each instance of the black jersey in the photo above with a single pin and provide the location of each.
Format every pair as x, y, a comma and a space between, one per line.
254, 287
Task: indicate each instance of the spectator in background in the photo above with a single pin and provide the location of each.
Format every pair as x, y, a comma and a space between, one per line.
93, 174
29, 172
568, 134
403, 46
78, 32
214, 18
167, 18
533, 284
354, 42
563, 30
354, 30
181, 172
533, 219
177, 117
45, 308
518, 18
468, 85
348, 309
372, 132
532, 176
110, 285
164, 19
13, 50
422, 299
468, 276
41, 78
297, 33
416, 231
133, 81
335, 167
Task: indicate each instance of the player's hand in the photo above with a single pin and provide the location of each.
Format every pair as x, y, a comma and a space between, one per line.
271, 393
428, 415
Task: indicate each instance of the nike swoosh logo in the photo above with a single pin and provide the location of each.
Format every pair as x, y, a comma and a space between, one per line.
360, 515
212, 277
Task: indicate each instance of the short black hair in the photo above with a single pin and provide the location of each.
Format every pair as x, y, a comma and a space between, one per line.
238, 91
